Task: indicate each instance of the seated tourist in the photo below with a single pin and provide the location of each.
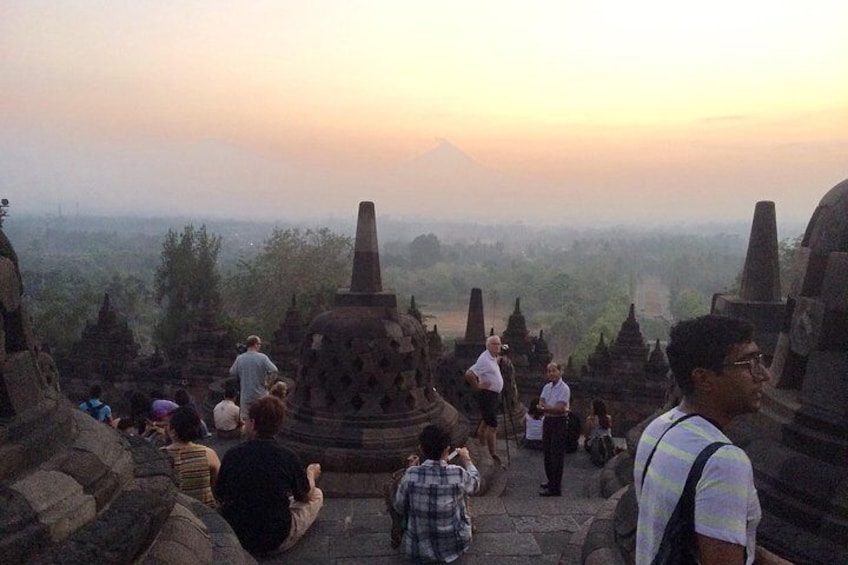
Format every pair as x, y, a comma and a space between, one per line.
431, 497
95, 407
181, 398
139, 411
161, 407
125, 426
598, 432
533, 420
256, 480
155, 427
195, 466
279, 389
226, 416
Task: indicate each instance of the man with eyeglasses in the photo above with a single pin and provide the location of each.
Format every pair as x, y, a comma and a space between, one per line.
720, 372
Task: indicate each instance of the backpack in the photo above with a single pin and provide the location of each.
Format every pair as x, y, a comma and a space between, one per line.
94, 411
678, 542
677, 546
572, 434
601, 450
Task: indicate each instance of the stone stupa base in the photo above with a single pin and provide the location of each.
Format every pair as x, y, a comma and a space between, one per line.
371, 485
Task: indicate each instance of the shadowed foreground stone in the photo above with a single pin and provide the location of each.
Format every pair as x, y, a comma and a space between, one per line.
73, 490
799, 441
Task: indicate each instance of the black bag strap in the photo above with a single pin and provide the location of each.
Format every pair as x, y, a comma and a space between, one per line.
659, 439
679, 536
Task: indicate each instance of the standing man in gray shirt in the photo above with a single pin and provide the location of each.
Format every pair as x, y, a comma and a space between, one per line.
251, 367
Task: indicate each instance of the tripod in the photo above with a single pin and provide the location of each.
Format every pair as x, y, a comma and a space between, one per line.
506, 411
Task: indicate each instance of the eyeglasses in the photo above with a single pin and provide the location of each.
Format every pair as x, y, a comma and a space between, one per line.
754, 364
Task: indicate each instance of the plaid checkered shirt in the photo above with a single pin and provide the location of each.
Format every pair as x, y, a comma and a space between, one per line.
431, 497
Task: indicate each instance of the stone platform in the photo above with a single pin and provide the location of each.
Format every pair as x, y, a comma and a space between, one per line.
514, 524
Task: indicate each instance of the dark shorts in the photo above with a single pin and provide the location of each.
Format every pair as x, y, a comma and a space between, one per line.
488, 402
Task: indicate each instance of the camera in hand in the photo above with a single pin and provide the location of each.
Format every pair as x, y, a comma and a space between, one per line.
504, 349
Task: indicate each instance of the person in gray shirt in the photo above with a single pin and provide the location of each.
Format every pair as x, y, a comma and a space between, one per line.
251, 367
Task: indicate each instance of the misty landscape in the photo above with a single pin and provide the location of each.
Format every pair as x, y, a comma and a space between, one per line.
368, 191
573, 284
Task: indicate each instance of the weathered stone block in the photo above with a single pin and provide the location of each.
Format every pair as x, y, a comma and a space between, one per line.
826, 382
58, 501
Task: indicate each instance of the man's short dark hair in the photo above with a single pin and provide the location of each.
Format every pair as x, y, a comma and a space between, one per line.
704, 342
267, 414
229, 390
185, 423
96, 391
433, 440
252, 340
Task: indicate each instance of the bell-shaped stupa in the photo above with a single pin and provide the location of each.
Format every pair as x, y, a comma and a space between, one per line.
365, 389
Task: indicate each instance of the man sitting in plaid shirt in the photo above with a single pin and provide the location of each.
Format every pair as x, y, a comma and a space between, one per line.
431, 497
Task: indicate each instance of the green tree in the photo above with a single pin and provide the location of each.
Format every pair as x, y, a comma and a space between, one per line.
425, 251
187, 281
310, 264
60, 303
608, 323
688, 303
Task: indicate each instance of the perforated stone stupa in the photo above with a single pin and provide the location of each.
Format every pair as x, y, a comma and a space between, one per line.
798, 443
365, 390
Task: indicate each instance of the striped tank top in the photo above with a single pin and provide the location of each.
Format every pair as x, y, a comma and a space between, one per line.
191, 470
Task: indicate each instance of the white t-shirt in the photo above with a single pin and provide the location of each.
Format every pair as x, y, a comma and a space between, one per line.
726, 504
226, 415
554, 394
488, 372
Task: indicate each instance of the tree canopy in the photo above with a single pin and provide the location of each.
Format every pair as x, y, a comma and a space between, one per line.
311, 264
186, 282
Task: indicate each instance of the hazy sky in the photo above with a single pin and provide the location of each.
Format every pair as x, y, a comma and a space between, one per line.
634, 111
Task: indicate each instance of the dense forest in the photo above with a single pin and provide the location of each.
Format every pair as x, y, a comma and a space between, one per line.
573, 284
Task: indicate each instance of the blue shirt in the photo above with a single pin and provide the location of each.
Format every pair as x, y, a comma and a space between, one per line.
97, 410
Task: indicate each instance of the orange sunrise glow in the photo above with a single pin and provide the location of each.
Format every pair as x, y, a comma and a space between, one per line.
631, 111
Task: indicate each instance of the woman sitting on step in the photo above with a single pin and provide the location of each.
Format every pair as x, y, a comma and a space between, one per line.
195, 466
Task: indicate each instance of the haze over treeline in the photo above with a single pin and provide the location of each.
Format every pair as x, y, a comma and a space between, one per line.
543, 113
574, 284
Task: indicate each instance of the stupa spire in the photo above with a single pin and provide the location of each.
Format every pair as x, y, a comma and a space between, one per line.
366, 276
761, 275
475, 329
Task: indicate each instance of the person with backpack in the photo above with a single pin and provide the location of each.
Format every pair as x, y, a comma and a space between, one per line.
95, 407
694, 488
598, 434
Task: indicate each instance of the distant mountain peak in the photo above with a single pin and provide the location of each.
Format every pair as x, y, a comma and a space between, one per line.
444, 154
